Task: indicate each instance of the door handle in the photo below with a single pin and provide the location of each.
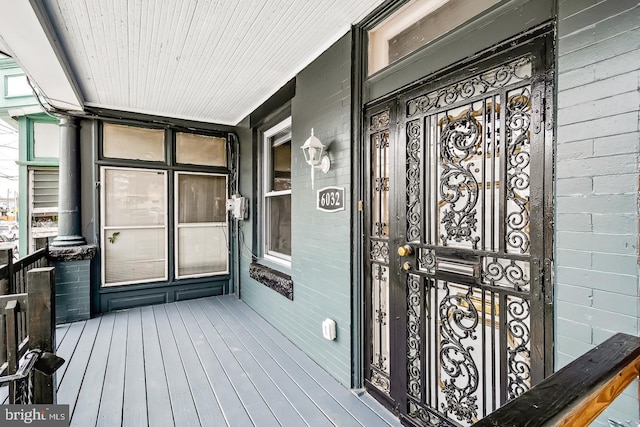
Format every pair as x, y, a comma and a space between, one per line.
405, 250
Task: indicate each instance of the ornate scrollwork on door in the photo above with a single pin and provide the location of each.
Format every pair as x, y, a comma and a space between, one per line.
379, 251
458, 323
507, 74
507, 273
518, 347
458, 185
471, 311
414, 346
518, 121
414, 205
427, 260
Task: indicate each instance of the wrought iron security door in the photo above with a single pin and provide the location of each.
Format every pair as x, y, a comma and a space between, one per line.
458, 312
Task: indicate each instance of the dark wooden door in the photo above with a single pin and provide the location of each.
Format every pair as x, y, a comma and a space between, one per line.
459, 305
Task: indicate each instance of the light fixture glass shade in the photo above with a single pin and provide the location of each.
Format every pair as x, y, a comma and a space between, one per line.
313, 150
314, 155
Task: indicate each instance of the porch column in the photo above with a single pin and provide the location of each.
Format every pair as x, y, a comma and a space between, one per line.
69, 233
69, 252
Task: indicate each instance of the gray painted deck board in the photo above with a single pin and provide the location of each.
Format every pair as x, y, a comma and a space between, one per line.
347, 400
69, 385
134, 411
295, 395
182, 404
158, 401
207, 407
67, 347
278, 403
204, 362
226, 394
110, 410
85, 411
61, 331
327, 403
252, 401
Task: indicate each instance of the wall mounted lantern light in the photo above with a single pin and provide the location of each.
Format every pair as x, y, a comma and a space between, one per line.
313, 151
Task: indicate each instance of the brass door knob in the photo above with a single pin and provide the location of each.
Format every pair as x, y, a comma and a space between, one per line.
406, 266
405, 250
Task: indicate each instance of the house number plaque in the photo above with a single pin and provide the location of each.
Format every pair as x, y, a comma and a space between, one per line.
331, 199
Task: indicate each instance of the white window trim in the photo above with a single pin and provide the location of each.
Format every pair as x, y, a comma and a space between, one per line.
276, 257
103, 228
31, 210
200, 224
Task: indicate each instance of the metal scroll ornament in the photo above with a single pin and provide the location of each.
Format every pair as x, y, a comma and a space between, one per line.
458, 186
413, 181
380, 121
518, 351
459, 320
518, 161
507, 74
379, 251
414, 345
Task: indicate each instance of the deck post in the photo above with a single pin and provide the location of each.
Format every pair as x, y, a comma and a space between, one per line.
42, 327
11, 312
5, 258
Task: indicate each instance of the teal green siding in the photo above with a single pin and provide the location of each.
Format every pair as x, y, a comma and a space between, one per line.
26, 161
9, 68
320, 267
596, 188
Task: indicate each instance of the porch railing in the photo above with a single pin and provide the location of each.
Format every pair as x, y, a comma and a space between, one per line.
577, 393
27, 326
13, 280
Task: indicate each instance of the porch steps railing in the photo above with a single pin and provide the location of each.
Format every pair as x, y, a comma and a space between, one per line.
577, 393
13, 280
27, 326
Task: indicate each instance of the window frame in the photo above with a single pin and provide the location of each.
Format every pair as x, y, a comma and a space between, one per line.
103, 227
266, 193
177, 226
169, 166
31, 214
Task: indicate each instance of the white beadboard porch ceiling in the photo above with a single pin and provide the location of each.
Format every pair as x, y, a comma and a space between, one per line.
205, 60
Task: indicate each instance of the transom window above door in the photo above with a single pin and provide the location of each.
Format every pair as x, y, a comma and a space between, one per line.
417, 24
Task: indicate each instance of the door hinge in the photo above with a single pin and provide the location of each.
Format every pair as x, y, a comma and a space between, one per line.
547, 280
544, 275
538, 279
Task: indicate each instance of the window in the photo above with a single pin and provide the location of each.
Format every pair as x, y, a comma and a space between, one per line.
277, 192
201, 225
200, 150
17, 85
43, 207
134, 225
127, 142
167, 220
416, 24
46, 140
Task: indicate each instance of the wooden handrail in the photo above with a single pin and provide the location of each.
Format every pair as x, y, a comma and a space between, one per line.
577, 393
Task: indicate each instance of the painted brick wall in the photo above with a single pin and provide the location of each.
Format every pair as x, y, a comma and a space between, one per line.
597, 180
321, 241
72, 291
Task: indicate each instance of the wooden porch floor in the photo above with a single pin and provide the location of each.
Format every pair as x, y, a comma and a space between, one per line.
205, 362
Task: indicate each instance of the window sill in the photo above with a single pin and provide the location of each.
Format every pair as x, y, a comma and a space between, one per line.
276, 280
